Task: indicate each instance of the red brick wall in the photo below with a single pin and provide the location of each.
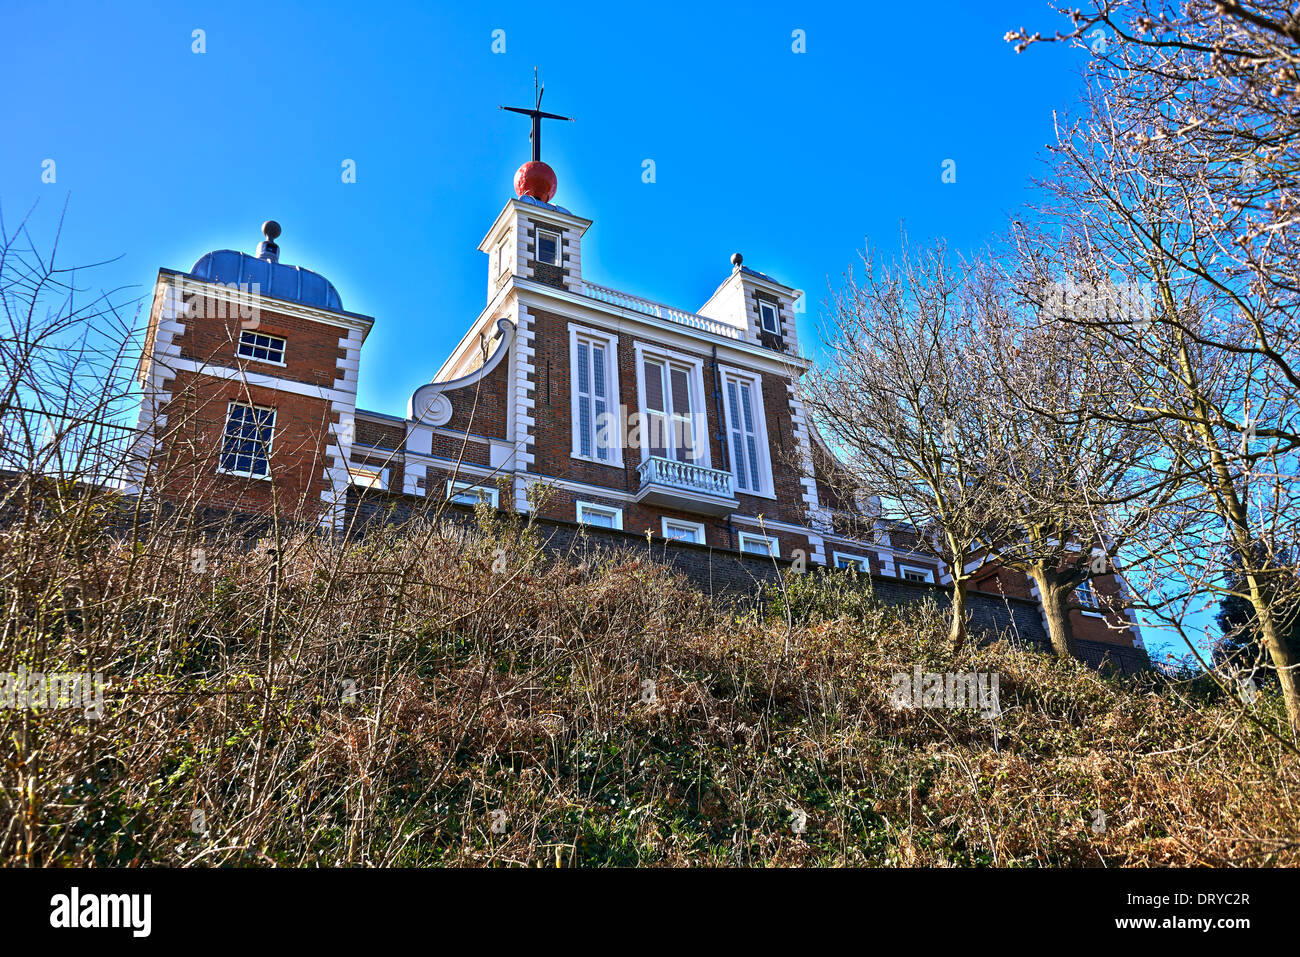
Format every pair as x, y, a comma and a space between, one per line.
187, 466
311, 352
481, 407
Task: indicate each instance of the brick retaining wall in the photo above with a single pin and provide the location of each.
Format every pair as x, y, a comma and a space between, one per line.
729, 575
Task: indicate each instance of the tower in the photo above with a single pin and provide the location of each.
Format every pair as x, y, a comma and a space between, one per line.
249, 375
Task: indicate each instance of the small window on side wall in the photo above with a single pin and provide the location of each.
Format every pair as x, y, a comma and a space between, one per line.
263, 348
769, 317
503, 261
845, 560
911, 574
759, 545
602, 516
683, 531
467, 493
548, 247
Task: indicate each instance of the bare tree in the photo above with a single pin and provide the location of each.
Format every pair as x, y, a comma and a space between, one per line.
895, 402
1075, 490
1180, 176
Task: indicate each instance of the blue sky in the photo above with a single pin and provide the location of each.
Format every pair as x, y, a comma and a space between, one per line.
797, 160
794, 159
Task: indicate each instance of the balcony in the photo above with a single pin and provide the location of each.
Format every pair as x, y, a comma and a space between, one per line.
685, 486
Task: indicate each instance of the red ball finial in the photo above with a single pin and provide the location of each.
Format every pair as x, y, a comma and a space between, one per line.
537, 180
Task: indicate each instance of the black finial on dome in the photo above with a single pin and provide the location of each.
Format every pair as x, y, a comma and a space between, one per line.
268, 249
737, 259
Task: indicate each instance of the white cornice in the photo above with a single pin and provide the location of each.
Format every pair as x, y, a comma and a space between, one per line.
552, 215
186, 283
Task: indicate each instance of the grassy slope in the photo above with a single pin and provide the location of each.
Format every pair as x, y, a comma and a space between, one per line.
419, 689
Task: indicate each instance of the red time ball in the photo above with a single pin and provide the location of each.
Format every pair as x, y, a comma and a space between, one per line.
537, 180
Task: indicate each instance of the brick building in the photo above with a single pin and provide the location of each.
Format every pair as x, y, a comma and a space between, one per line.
563, 397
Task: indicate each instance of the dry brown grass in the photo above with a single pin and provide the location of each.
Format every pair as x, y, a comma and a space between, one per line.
391, 698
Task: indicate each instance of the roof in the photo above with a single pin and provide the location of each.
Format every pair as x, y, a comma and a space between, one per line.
275, 279
534, 201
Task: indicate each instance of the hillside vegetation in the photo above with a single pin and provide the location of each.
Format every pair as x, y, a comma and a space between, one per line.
429, 696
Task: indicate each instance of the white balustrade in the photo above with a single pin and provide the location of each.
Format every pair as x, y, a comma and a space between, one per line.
684, 476
660, 311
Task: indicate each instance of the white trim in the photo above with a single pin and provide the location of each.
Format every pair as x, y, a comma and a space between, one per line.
259, 379
537, 245
699, 413
610, 510
591, 310
225, 434
284, 344
186, 284
776, 315
521, 402
917, 570
613, 408
773, 544
356, 469
762, 441
837, 555
480, 490
697, 527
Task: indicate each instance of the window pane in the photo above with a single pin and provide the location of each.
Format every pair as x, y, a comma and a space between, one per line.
603, 519
654, 386
584, 426
546, 248
598, 369
681, 391
684, 533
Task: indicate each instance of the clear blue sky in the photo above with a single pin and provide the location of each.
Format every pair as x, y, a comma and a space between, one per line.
797, 160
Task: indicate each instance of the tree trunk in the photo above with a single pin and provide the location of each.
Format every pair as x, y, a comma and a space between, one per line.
1233, 510
957, 628
1056, 611
1283, 659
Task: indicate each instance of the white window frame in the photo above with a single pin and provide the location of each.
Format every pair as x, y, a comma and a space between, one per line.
537, 252
681, 523
225, 426
477, 489
239, 348
1091, 608
612, 407
761, 443
582, 507
917, 569
358, 474
776, 317
501, 255
864, 566
774, 546
695, 380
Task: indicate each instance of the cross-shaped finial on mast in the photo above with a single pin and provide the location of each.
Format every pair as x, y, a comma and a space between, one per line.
537, 115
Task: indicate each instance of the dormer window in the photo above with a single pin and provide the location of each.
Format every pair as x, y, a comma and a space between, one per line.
548, 247
263, 348
769, 317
